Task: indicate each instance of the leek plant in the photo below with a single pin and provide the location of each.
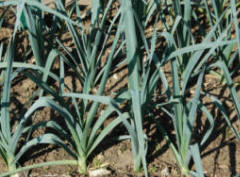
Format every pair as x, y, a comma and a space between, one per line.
7, 149
142, 83
84, 129
10, 136
225, 20
188, 60
11, 152
139, 145
227, 74
85, 67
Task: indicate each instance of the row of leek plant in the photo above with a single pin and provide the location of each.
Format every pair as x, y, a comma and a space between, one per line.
131, 20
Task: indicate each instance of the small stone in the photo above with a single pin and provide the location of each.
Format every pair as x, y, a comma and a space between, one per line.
100, 156
115, 76
99, 172
165, 172
145, 59
15, 175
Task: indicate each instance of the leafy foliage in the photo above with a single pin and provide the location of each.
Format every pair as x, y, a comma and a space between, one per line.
112, 34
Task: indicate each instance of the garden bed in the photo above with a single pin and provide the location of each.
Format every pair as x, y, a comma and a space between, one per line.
68, 84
